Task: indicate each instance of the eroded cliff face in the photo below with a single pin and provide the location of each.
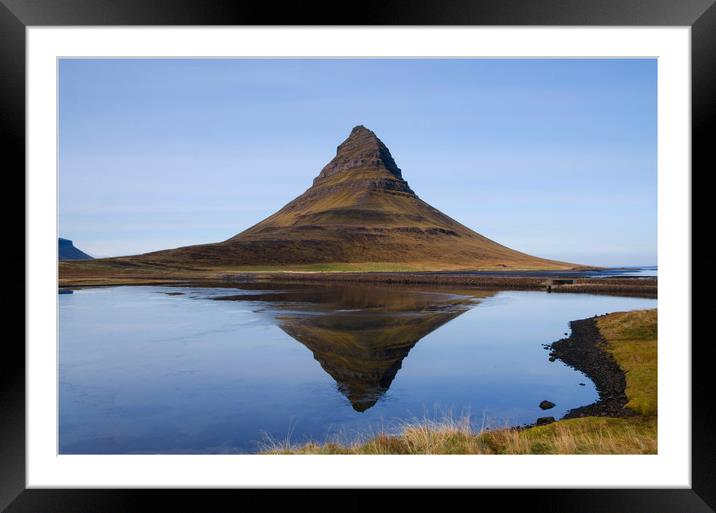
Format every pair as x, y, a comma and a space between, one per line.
362, 150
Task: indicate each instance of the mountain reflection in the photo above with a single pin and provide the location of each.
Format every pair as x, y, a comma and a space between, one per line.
360, 335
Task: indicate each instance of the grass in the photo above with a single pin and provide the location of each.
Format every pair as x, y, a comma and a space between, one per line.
589, 435
631, 338
98, 269
133, 272
333, 267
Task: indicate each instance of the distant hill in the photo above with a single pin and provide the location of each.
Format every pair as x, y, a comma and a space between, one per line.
68, 251
359, 210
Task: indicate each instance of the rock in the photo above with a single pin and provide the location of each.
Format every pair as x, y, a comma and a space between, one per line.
546, 405
584, 351
582, 384
543, 421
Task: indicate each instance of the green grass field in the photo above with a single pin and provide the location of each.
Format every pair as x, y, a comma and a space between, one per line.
631, 338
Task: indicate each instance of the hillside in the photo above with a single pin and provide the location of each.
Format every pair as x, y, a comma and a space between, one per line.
68, 251
359, 214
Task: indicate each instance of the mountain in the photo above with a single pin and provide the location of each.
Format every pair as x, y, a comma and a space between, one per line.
359, 213
68, 251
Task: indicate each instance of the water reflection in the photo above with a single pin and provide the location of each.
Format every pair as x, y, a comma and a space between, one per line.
170, 370
361, 335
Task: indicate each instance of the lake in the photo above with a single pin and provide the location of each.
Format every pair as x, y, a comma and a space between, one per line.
151, 369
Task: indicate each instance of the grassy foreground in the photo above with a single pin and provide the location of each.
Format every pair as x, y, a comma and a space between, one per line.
631, 339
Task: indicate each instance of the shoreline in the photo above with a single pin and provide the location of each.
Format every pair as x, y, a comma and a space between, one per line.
621, 286
584, 350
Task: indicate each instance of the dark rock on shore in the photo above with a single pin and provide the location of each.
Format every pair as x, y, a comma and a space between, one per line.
543, 421
546, 405
585, 351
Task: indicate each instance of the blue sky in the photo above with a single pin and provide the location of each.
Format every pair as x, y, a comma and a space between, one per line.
552, 157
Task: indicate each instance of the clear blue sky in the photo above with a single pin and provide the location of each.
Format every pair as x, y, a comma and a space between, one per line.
552, 157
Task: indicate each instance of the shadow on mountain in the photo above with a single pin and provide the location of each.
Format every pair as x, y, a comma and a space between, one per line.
360, 335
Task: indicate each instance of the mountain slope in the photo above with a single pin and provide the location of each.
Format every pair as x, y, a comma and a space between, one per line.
359, 210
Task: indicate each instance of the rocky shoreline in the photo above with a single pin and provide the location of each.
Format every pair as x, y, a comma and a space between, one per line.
624, 286
585, 351
633, 287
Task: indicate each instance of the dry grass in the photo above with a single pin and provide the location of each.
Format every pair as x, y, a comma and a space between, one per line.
589, 435
363, 267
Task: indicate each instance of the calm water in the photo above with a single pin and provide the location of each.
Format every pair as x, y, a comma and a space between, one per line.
142, 371
647, 271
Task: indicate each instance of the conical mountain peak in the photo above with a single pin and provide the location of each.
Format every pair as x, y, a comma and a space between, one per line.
358, 211
361, 150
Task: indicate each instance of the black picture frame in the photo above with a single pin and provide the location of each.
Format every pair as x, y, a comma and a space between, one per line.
17, 15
